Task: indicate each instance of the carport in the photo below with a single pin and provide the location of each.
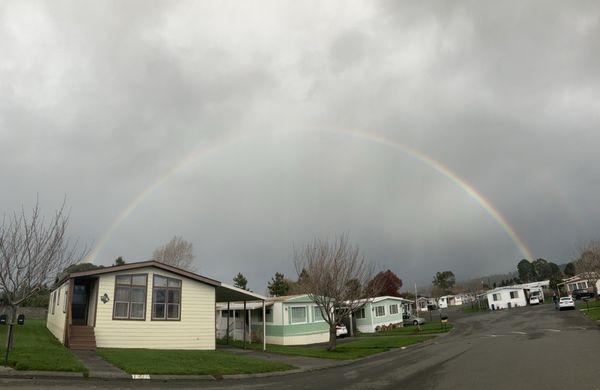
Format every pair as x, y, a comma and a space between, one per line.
226, 294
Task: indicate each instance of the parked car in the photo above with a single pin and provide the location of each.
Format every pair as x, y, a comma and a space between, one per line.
534, 300
579, 294
340, 330
412, 319
566, 303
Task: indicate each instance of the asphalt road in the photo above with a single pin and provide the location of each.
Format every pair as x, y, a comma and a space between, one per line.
524, 348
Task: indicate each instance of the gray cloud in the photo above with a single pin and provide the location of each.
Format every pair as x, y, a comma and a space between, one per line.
99, 100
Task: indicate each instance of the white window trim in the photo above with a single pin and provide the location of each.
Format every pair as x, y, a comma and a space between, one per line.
375, 311
305, 315
390, 309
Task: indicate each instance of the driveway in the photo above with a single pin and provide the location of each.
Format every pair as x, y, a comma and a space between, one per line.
523, 348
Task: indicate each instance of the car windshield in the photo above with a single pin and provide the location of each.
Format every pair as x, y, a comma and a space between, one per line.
565, 299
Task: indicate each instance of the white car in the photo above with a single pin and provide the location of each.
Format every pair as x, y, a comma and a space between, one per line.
566, 303
340, 330
534, 301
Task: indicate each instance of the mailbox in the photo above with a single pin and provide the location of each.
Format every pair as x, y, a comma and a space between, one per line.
21, 319
3, 319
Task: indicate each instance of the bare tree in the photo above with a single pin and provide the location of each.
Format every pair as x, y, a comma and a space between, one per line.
588, 264
33, 251
177, 252
337, 278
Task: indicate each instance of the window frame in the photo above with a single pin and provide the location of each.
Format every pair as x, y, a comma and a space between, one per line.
130, 286
496, 299
390, 309
514, 295
66, 301
305, 314
166, 304
316, 308
53, 301
362, 312
377, 307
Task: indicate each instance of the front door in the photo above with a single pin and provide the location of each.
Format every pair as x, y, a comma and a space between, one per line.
80, 303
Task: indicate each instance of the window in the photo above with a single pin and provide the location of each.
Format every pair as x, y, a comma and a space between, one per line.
53, 301
317, 314
581, 285
66, 301
379, 311
360, 313
268, 315
514, 294
166, 298
496, 297
130, 297
572, 286
298, 314
394, 309
58, 300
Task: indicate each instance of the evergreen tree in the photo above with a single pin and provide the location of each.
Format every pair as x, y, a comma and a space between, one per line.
240, 281
570, 270
278, 286
119, 261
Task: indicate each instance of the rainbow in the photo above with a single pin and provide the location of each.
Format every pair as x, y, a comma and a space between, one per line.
379, 139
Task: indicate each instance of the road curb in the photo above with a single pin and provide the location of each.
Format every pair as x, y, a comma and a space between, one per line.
41, 374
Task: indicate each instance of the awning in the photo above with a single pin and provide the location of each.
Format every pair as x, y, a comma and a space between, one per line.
226, 293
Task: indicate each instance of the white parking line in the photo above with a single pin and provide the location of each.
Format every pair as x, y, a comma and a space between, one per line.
518, 332
552, 330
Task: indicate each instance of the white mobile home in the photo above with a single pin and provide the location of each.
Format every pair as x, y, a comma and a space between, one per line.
506, 297
424, 304
449, 300
380, 311
138, 305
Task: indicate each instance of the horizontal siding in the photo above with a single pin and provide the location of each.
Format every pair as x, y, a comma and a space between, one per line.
56, 322
195, 330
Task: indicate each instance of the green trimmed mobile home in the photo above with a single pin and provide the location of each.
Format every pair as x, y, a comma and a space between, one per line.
290, 320
380, 311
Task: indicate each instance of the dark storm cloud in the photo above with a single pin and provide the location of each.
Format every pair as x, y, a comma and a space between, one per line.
98, 100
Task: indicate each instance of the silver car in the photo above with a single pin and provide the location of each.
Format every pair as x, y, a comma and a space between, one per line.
412, 319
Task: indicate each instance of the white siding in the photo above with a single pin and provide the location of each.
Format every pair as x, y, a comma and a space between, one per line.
56, 322
195, 330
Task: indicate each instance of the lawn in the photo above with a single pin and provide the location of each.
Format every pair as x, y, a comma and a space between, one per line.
35, 348
364, 346
428, 328
594, 308
186, 362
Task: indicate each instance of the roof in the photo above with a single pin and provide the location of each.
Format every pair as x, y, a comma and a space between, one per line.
384, 297
579, 276
290, 298
223, 292
144, 264
504, 288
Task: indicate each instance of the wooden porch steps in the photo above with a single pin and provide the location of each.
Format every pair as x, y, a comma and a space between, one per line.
82, 337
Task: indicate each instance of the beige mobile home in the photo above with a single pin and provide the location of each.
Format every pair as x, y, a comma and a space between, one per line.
138, 305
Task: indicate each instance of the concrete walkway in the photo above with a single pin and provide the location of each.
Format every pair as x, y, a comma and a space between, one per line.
98, 367
302, 362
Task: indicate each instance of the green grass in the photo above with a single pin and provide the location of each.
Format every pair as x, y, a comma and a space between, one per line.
427, 328
364, 346
35, 348
186, 362
594, 308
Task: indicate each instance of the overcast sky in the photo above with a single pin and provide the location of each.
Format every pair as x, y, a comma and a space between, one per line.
100, 100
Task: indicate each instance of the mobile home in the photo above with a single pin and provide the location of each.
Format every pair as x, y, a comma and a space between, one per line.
138, 305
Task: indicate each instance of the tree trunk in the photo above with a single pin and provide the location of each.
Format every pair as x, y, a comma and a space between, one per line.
13, 314
332, 338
